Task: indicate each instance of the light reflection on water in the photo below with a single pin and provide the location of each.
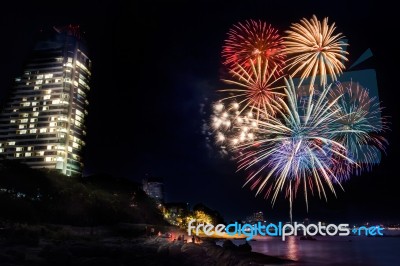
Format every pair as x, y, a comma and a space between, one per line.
358, 251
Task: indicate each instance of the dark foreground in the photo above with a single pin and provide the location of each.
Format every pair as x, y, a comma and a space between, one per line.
62, 245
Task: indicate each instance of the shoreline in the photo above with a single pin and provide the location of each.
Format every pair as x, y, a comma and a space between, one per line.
100, 246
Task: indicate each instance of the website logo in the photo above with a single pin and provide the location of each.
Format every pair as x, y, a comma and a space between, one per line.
279, 229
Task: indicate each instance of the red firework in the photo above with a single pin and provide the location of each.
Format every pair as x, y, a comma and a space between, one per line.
251, 39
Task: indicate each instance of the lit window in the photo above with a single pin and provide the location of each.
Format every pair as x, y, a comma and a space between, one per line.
82, 82
21, 132
46, 97
69, 149
25, 120
43, 130
35, 109
49, 147
34, 103
11, 143
38, 82
45, 108
18, 149
40, 153
26, 104
21, 126
48, 76
31, 125
15, 110
56, 101
28, 154
12, 121
18, 155
1, 150
60, 159
33, 120
33, 131
39, 76
35, 114
81, 92
75, 145
29, 148
36, 87
78, 112
48, 159
24, 99
53, 124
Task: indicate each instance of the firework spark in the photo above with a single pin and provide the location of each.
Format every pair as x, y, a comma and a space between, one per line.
314, 49
255, 89
296, 149
251, 39
357, 127
230, 128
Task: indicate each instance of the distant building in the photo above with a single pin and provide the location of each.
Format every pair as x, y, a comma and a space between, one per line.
154, 188
43, 122
258, 217
255, 217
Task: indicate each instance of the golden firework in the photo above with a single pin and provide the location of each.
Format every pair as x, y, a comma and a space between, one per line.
314, 49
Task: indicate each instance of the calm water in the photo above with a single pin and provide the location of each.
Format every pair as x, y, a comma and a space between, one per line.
332, 251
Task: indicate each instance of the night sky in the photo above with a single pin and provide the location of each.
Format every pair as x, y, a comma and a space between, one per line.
156, 68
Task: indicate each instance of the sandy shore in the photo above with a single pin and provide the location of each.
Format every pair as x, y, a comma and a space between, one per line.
77, 248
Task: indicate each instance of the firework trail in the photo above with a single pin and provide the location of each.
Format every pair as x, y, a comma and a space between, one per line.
252, 39
296, 149
357, 127
256, 89
313, 48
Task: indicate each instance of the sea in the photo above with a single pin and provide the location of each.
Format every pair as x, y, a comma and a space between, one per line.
334, 251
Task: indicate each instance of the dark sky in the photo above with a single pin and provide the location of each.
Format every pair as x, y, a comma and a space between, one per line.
155, 64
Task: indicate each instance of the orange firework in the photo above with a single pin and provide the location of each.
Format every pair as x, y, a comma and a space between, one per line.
315, 50
255, 88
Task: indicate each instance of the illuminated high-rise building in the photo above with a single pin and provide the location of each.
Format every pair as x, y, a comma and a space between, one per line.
43, 122
154, 188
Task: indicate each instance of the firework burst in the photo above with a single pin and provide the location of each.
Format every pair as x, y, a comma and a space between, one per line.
230, 128
313, 49
357, 127
255, 89
296, 149
251, 39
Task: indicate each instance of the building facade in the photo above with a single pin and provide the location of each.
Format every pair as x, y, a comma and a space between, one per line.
154, 188
43, 122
